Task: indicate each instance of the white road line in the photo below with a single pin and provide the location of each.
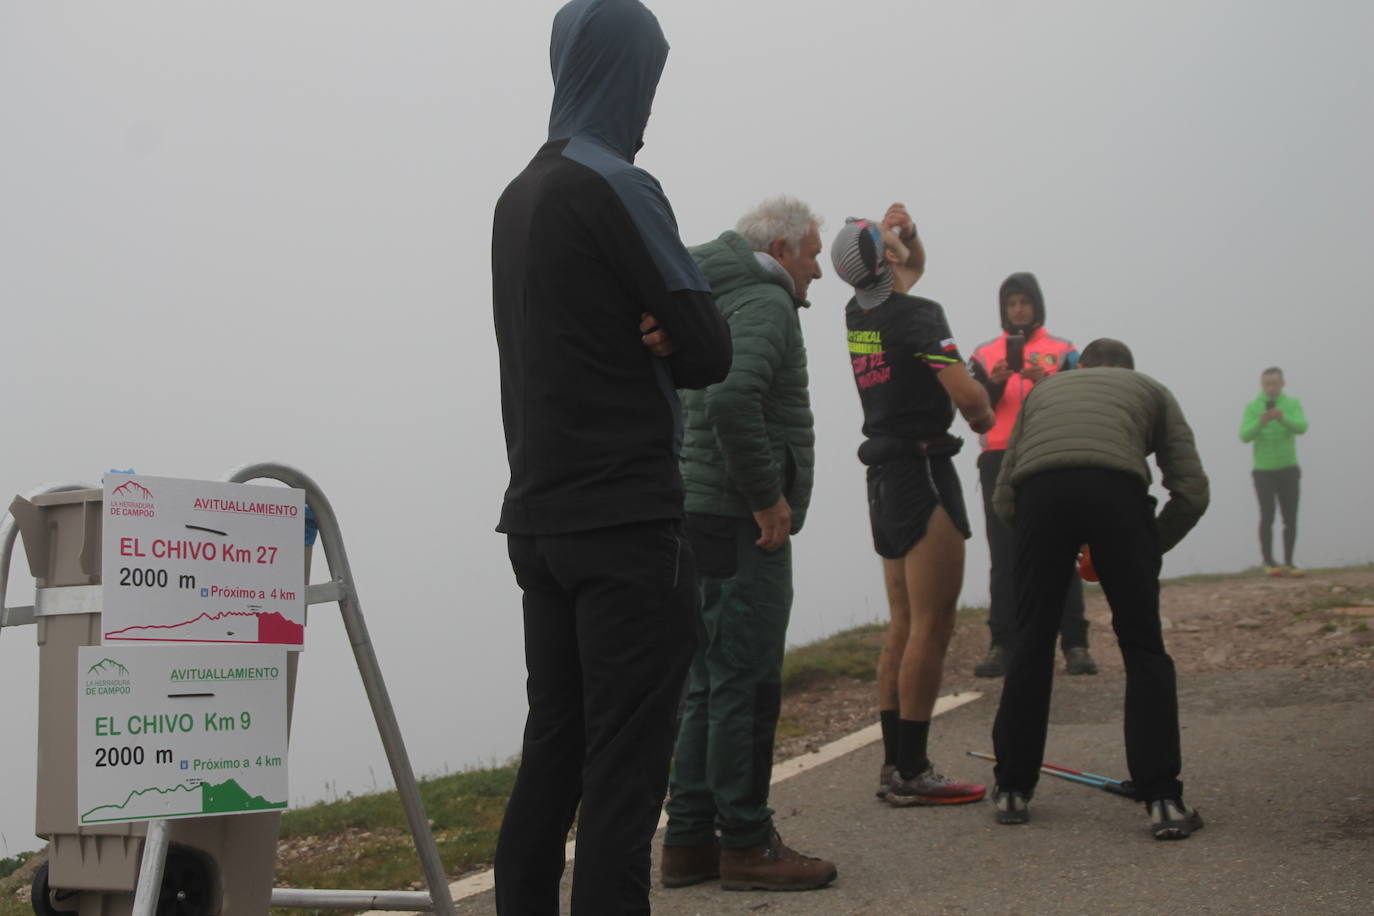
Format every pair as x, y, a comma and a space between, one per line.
484, 881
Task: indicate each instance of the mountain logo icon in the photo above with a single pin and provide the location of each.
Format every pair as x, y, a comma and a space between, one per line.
132, 489
108, 667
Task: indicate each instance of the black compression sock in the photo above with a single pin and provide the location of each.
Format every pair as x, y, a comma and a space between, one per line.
911, 747
888, 718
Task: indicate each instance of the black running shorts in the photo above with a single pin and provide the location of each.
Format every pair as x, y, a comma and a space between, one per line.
901, 497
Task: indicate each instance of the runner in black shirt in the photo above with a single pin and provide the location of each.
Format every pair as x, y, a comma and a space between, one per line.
897, 354
910, 378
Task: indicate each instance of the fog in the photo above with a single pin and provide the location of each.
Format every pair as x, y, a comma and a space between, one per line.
260, 231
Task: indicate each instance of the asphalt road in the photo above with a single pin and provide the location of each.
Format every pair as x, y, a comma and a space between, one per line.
1279, 762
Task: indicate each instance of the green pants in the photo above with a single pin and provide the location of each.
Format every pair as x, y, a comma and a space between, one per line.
724, 758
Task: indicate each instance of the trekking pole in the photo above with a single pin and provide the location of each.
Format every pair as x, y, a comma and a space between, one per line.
1105, 783
1106, 779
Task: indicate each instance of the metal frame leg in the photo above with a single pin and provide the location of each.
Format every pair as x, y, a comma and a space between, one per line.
382, 710
149, 886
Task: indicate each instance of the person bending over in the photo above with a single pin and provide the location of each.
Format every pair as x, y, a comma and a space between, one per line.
1075, 473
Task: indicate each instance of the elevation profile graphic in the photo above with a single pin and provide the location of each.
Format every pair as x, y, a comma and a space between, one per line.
226, 797
225, 627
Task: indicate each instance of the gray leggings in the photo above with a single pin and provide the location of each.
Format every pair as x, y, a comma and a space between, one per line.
1279, 486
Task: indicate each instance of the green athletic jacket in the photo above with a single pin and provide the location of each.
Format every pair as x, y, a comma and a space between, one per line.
1276, 444
1107, 418
751, 438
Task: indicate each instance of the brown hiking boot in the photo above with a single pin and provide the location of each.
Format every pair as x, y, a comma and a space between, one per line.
774, 866
683, 866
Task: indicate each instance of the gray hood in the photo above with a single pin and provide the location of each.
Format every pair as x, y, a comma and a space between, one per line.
607, 57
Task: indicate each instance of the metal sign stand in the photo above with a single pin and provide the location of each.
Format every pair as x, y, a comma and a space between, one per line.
340, 590
149, 886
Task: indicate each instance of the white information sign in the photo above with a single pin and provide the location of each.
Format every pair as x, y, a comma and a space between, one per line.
202, 561
187, 731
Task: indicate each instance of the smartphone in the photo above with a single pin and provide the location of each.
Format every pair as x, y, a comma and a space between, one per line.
1016, 352
1269, 404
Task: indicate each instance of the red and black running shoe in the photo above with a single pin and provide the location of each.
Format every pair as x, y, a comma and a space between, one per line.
930, 788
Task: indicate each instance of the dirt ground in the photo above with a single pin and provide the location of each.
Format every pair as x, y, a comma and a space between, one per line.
1212, 624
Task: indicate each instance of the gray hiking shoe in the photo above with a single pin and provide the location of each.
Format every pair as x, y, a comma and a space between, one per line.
886, 777
1011, 807
1079, 661
1171, 819
995, 665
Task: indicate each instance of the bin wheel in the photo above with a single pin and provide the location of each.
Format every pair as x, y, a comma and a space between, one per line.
44, 901
187, 885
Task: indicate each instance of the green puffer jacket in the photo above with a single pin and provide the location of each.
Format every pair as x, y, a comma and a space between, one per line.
751, 438
1113, 419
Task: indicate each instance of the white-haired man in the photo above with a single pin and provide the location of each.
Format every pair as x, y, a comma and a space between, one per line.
747, 464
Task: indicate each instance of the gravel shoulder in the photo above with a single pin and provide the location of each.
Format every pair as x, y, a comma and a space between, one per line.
1324, 621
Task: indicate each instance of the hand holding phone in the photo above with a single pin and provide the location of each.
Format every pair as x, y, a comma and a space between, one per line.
1016, 352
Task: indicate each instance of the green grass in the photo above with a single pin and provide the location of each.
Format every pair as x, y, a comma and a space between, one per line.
851, 654
788, 727
10, 865
374, 849
10, 882
10, 885
450, 801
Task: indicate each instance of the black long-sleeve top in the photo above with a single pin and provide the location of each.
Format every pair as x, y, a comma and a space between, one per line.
584, 243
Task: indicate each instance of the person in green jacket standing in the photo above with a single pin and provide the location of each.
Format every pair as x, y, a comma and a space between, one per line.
747, 461
1273, 421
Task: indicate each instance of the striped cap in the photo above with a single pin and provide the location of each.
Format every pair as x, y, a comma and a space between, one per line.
857, 254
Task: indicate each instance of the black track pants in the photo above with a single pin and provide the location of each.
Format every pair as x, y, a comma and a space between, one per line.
1073, 625
1113, 513
610, 627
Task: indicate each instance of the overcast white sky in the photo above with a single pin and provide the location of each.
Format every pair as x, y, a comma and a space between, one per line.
260, 231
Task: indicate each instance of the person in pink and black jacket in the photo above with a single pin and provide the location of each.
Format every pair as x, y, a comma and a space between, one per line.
1009, 366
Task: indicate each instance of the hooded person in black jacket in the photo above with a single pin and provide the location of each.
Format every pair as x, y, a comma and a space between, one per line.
601, 314
1009, 378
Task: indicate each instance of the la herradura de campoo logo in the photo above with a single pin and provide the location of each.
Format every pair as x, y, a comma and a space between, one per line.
131, 498
107, 676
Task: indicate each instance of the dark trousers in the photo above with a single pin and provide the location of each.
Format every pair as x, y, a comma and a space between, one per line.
1279, 486
609, 632
1073, 624
723, 765
1113, 513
